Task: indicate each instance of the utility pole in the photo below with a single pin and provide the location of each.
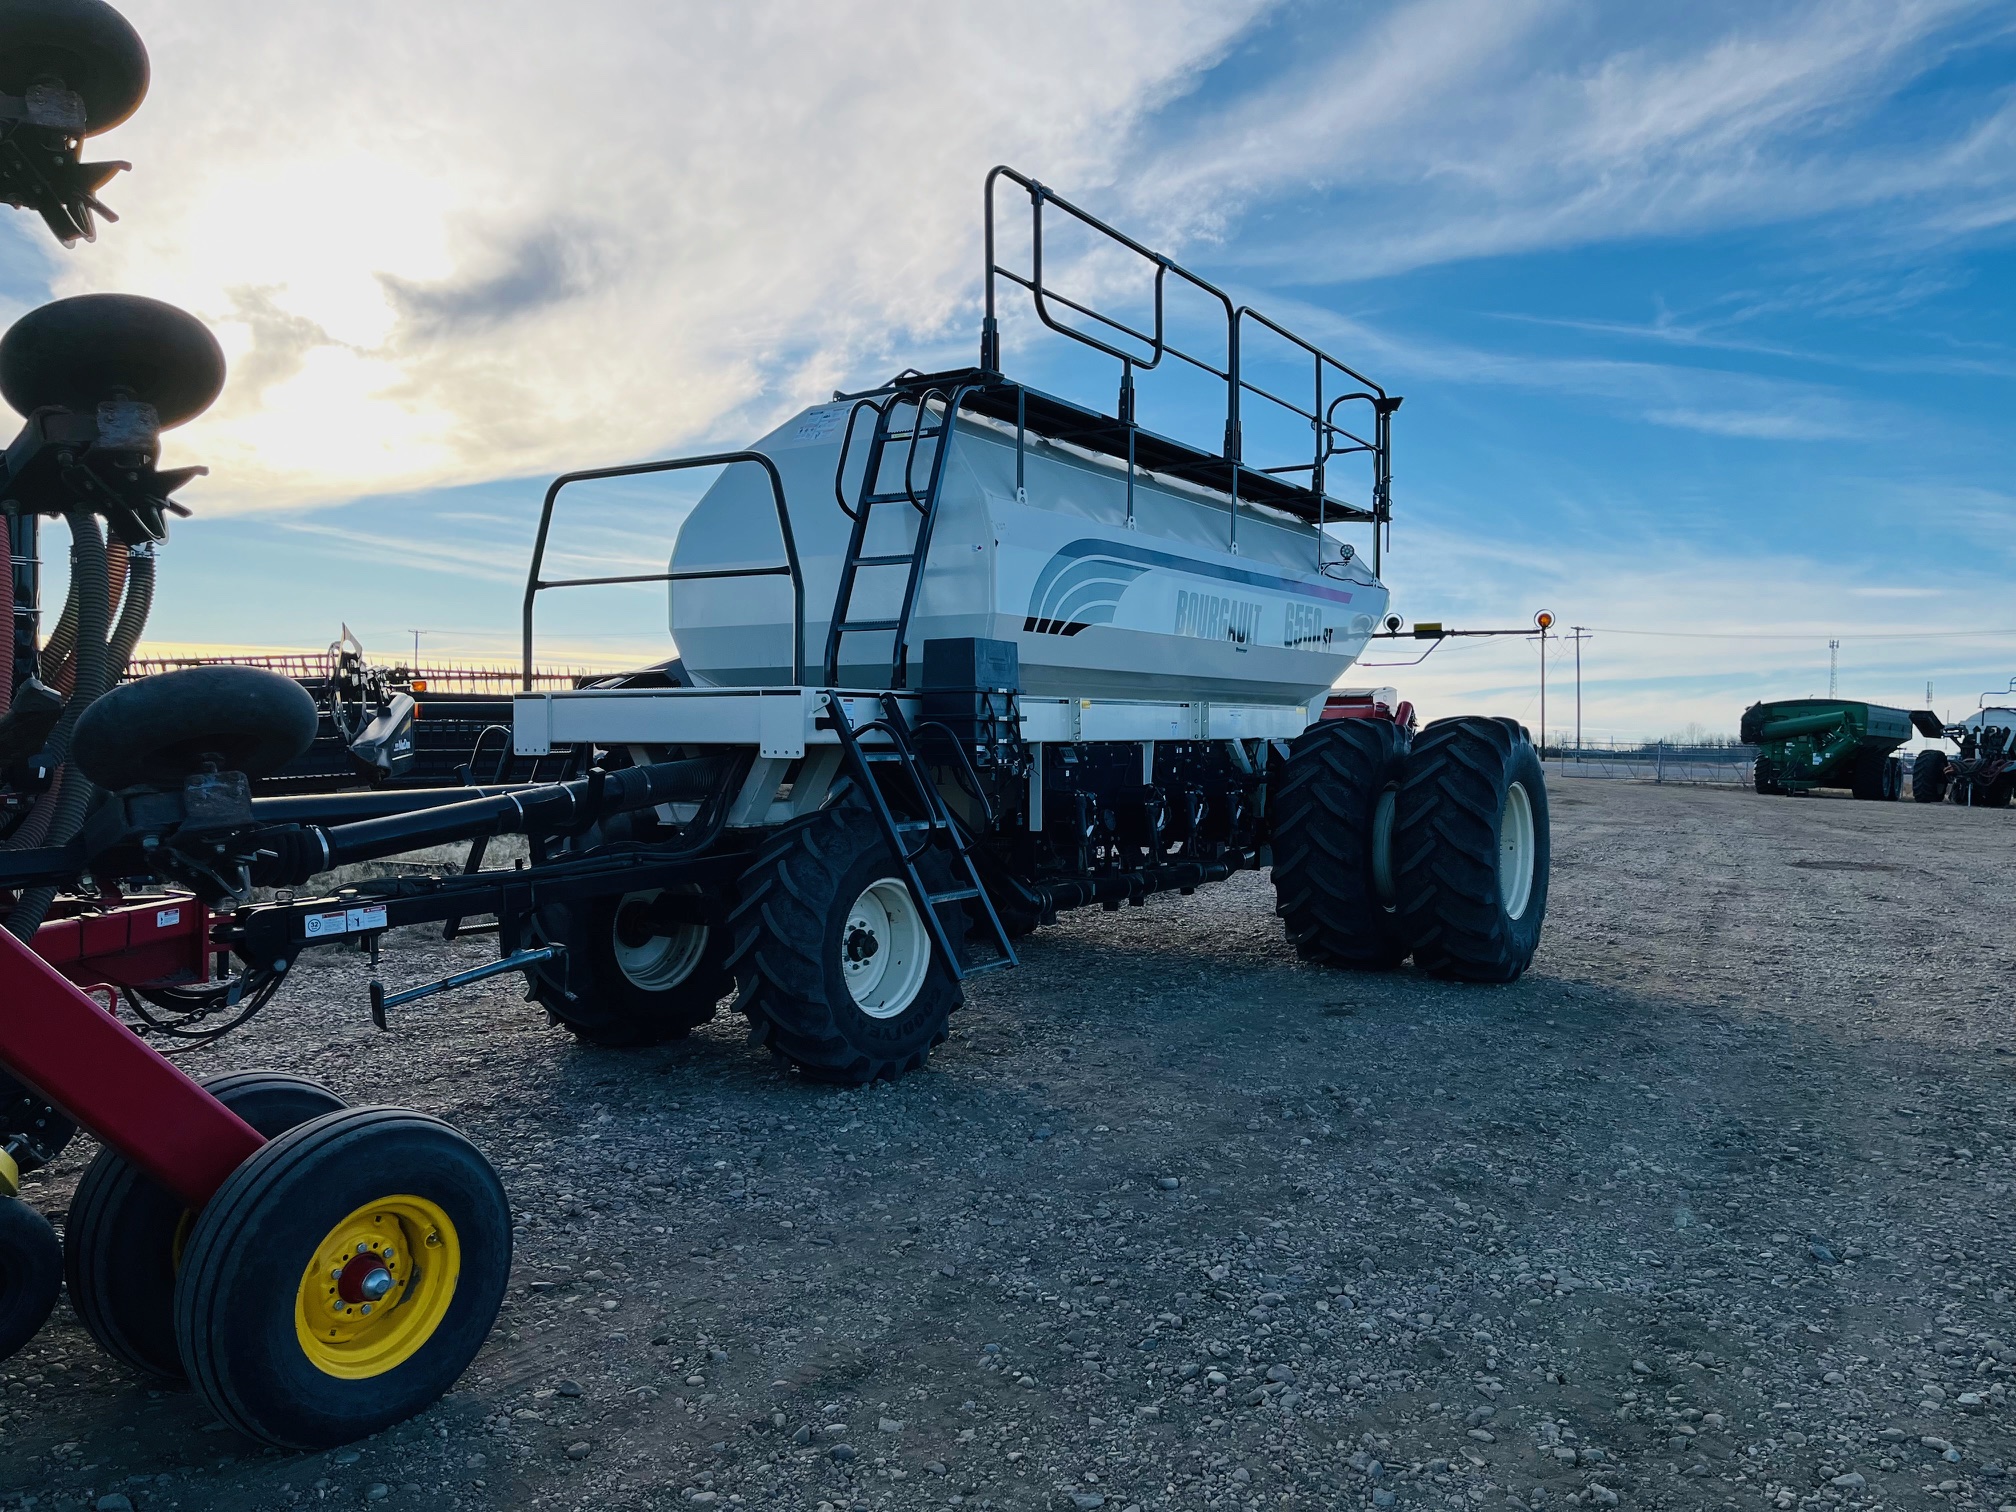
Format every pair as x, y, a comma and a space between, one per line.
1833, 666
1546, 622
1578, 637
416, 645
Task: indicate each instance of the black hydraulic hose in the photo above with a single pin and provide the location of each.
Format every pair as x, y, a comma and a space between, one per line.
347, 808
91, 588
558, 808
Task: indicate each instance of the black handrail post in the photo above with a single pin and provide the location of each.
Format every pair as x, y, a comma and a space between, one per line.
534, 584
990, 328
1127, 418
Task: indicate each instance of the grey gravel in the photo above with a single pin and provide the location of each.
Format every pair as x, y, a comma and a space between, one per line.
1428, 1245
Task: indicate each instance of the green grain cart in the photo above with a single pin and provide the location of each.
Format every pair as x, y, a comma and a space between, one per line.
1806, 743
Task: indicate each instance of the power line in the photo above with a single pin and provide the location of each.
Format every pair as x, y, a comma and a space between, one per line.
1812, 635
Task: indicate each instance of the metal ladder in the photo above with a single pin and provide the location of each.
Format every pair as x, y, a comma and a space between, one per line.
939, 828
889, 432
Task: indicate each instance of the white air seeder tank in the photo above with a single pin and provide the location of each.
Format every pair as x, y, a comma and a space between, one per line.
1097, 607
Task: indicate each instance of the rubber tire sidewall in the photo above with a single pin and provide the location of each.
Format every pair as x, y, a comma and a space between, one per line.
788, 932
154, 730
608, 1007
31, 1273
119, 1241
1451, 910
242, 1267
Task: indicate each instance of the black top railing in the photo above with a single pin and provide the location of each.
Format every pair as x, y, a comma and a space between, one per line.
1318, 408
535, 585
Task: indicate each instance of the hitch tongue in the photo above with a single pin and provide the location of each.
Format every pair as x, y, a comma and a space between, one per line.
517, 961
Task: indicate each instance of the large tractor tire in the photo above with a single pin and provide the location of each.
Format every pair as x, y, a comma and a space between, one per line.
1928, 777
1875, 781
1333, 843
1765, 777
343, 1277
838, 971
1471, 850
31, 1273
633, 976
1997, 794
125, 1233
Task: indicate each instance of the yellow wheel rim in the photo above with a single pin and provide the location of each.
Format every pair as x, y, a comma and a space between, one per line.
377, 1288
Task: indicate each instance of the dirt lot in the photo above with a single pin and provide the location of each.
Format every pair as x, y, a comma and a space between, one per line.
1712, 1209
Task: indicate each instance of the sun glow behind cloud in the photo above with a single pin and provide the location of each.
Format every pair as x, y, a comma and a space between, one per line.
444, 244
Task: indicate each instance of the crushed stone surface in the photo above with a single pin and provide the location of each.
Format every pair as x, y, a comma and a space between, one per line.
1712, 1209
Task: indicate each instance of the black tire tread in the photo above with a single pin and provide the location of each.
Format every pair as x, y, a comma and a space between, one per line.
619, 1014
31, 1273
778, 957
1445, 849
1323, 817
201, 1314
1928, 776
97, 1253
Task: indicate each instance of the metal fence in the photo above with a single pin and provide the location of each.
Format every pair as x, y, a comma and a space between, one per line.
1657, 761
439, 677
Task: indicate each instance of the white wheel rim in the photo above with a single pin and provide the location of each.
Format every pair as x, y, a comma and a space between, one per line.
885, 949
663, 961
1516, 851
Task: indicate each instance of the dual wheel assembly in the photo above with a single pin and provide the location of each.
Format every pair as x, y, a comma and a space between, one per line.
1436, 848
340, 1280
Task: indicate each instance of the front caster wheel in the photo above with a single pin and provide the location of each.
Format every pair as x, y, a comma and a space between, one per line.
1471, 850
126, 1231
31, 1273
839, 972
343, 1277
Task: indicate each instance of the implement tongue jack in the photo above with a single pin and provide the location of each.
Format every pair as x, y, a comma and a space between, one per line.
517, 961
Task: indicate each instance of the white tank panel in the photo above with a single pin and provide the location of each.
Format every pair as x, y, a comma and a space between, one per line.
1097, 609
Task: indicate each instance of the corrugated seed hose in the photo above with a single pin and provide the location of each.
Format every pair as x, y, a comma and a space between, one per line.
66, 802
6, 614
132, 614
59, 670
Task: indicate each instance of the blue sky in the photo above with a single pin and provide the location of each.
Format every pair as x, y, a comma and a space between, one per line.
1703, 314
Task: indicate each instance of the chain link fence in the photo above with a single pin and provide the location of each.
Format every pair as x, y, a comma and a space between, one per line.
1657, 761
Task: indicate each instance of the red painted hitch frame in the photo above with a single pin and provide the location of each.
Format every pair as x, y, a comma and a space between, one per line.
61, 1044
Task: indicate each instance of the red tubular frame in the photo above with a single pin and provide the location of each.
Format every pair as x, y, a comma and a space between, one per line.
79, 1057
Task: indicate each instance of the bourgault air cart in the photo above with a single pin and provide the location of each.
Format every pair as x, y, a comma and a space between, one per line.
958, 654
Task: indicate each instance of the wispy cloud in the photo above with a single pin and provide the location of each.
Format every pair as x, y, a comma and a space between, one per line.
446, 243
1466, 128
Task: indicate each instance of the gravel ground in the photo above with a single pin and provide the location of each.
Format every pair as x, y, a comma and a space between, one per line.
1711, 1209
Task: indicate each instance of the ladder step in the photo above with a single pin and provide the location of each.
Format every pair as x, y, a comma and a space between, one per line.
873, 757
847, 626
957, 895
900, 559
888, 498
979, 966
917, 824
